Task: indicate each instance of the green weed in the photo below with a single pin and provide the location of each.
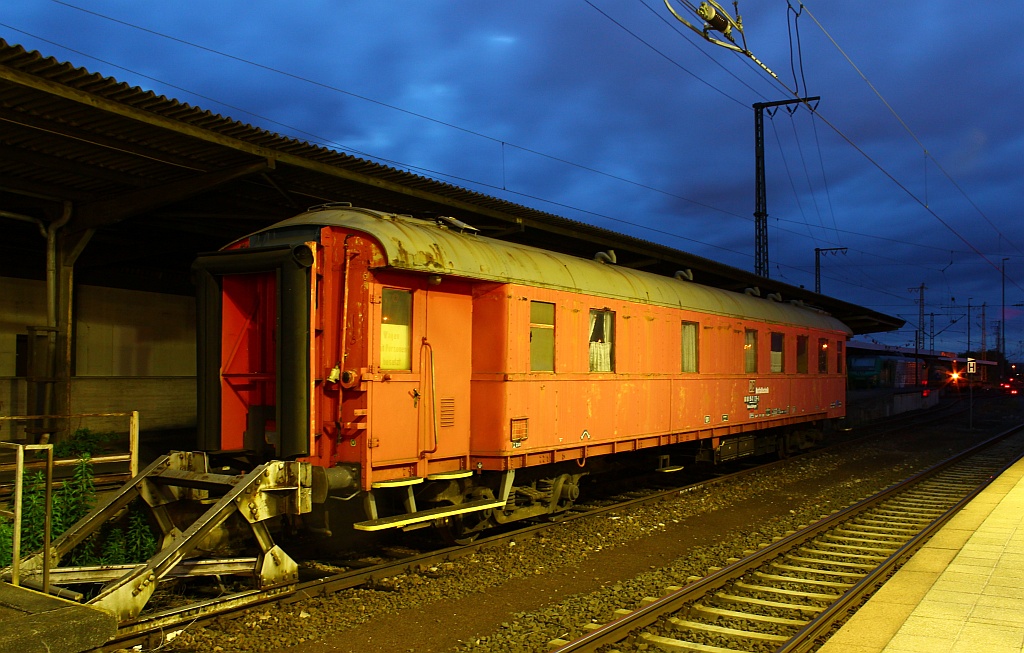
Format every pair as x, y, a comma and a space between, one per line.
128, 541
83, 442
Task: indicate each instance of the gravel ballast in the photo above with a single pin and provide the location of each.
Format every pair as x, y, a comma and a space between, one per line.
520, 596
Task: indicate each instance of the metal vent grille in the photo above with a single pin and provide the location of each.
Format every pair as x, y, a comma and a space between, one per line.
447, 416
520, 428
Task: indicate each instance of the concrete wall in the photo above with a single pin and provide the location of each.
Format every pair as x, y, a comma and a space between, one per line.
869, 405
132, 333
906, 402
163, 402
133, 351
22, 304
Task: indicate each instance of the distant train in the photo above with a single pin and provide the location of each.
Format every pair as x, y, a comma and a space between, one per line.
461, 382
885, 371
896, 371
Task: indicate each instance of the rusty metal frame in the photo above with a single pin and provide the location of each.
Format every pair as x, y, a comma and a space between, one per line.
132, 457
272, 489
15, 514
19, 466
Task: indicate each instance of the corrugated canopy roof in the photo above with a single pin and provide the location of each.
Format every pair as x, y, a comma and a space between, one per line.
158, 181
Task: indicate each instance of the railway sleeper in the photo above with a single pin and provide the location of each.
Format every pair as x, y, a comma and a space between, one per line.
891, 508
873, 535
928, 494
863, 536
768, 589
953, 488
686, 624
938, 496
886, 552
813, 582
831, 563
714, 613
902, 524
677, 645
889, 527
779, 605
939, 506
938, 486
844, 555
923, 517
899, 510
871, 528
816, 572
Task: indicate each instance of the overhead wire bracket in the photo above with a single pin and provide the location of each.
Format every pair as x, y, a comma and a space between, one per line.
717, 19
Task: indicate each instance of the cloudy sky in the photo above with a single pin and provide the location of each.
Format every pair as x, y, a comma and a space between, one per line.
613, 113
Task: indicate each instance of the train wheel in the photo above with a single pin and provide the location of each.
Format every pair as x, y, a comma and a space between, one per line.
465, 528
563, 491
453, 531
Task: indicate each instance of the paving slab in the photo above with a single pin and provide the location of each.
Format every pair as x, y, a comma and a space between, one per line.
34, 622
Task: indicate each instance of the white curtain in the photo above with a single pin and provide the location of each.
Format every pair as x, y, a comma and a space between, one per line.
600, 341
689, 347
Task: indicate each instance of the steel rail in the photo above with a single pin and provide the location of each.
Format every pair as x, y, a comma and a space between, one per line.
151, 625
140, 630
614, 631
157, 623
839, 611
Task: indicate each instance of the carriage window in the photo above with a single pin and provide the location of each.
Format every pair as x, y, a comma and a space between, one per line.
839, 356
801, 354
690, 347
750, 351
822, 355
395, 330
602, 340
542, 337
778, 352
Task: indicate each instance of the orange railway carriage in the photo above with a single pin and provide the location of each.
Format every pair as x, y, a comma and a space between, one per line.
462, 381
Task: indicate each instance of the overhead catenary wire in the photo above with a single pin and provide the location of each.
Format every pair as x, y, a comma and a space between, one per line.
906, 127
891, 176
442, 174
903, 187
502, 142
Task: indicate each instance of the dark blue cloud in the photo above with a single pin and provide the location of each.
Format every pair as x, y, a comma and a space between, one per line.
515, 91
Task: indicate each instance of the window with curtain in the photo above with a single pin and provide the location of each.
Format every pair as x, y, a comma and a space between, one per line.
750, 351
801, 354
822, 355
395, 329
542, 337
689, 333
778, 352
602, 340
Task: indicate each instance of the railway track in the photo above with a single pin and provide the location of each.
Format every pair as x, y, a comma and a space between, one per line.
150, 629
788, 595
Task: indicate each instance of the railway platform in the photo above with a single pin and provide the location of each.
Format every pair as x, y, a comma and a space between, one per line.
963, 592
34, 622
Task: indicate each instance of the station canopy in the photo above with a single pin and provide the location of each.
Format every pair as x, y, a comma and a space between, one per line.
155, 181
